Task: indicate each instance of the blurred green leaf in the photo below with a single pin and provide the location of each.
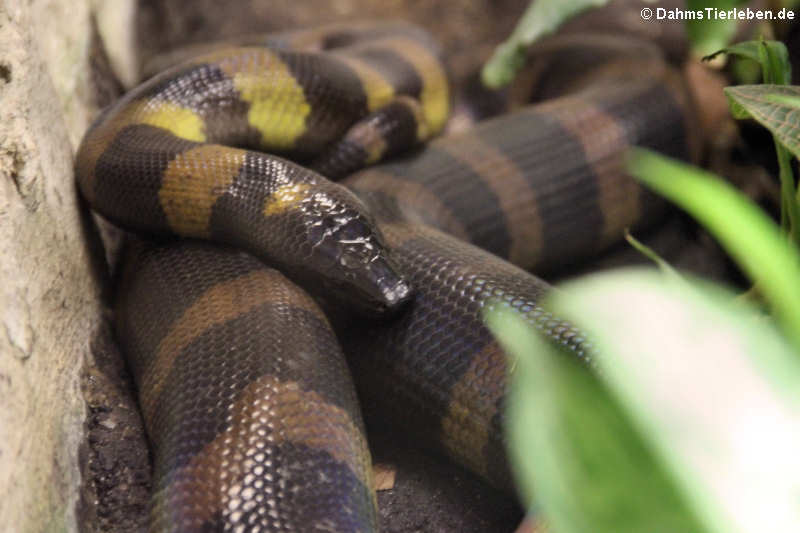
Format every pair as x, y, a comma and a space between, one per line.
709, 383
576, 454
745, 71
709, 33
541, 18
651, 254
772, 57
694, 424
747, 49
746, 232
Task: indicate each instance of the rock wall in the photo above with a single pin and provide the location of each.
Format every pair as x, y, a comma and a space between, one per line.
50, 287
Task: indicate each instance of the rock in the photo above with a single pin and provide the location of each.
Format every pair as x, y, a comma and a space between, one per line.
50, 288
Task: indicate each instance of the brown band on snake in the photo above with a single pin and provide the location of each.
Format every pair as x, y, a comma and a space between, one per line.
465, 435
428, 207
463, 192
267, 415
192, 183
554, 175
516, 197
269, 433
228, 299
618, 194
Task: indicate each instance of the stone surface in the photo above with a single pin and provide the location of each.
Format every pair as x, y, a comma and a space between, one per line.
49, 288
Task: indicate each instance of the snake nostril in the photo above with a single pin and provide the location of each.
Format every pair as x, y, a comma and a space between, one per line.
397, 294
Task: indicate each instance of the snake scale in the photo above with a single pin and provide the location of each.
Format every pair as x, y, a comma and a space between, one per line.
244, 387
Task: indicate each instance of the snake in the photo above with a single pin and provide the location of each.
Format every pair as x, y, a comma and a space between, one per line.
263, 306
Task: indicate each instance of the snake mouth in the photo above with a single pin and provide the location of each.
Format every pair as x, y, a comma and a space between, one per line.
385, 286
377, 290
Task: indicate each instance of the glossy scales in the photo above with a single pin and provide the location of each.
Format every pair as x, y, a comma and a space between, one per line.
246, 398
251, 428
542, 187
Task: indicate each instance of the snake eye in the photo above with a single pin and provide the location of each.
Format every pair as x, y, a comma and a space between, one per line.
356, 254
353, 230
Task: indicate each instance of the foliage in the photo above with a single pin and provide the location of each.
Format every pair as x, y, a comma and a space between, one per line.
747, 233
541, 18
776, 108
544, 17
576, 448
690, 419
649, 253
692, 424
661, 344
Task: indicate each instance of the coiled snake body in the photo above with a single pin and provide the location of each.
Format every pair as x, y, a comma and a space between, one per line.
244, 389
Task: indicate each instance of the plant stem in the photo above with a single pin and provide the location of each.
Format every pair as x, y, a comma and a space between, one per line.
789, 213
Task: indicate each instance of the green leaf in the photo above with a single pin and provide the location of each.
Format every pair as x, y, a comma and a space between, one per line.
776, 69
746, 232
541, 18
772, 56
712, 387
738, 111
651, 254
576, 450
775, 61
710, 33
775, 107
746, 49
769, 106
745, 71
785, 99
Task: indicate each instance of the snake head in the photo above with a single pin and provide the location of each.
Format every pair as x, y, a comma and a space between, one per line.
358, 270
319, 233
